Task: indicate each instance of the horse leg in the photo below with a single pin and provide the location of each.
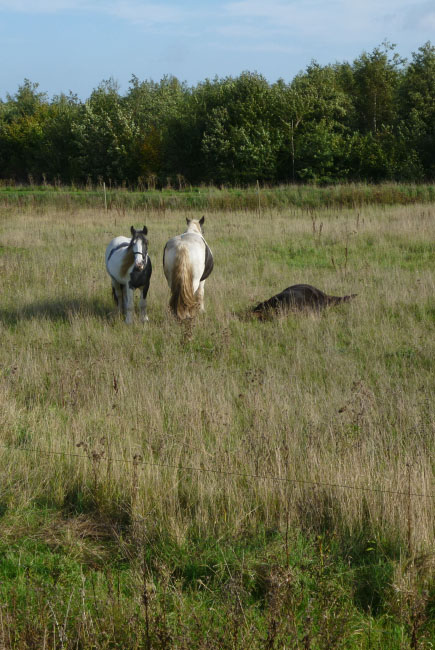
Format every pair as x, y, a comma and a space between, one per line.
200, 295
117, 295
143, 307
129, 304
143, 302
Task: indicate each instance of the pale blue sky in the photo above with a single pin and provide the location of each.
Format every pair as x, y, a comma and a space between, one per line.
75, 44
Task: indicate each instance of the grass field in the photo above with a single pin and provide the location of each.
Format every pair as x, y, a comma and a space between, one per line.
213, 199
232, 483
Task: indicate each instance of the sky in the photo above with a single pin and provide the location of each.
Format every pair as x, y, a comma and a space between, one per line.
73, 45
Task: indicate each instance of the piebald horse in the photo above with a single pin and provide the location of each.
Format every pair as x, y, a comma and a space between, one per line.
187, 262
298, 296
129, 266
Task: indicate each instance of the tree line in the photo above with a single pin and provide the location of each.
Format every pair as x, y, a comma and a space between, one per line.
370, 120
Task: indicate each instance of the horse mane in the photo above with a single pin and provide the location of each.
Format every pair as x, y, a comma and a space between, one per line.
183, 302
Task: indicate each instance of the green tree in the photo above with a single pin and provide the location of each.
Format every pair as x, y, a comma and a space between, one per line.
26, 102
240, 137
227, 131
21, 131
104, 135
311, 110
377, 148
58, 150
372, 119
152, 105
374, 87
417, 106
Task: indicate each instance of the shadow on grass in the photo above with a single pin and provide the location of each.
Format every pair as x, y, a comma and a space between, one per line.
371, 561
57, 311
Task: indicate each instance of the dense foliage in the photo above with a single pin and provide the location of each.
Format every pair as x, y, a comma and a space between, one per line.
371, 120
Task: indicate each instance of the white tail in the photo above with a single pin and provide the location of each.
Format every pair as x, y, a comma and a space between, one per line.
183, 303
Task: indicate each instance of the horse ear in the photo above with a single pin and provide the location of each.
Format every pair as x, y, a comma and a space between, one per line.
133, 231
188, 220
145, 230
201, 221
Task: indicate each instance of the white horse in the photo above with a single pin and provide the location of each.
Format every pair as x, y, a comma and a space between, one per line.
187, 262
129, 266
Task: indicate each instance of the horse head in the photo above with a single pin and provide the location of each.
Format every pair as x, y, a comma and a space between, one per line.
139, 247
195, 225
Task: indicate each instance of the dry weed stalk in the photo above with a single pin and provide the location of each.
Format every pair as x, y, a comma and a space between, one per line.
411, 595
247, 397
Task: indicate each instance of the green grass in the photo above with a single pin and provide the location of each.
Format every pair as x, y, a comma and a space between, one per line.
308, 197
167, 486
265, 591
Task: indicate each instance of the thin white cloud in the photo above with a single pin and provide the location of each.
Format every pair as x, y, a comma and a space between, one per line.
330, 20
42, 6
427, 22
137, 12
237, 31
255, 25
132, 11
421, 17
335, 26
279, 20
267, 47
277, 11
312, 16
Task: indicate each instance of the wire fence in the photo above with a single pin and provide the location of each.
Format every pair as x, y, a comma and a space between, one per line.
137, 461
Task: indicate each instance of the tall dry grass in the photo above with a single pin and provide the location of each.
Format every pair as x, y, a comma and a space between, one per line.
183, 429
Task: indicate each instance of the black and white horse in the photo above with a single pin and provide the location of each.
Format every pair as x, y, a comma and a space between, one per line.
298, 296
129, 266
187, 262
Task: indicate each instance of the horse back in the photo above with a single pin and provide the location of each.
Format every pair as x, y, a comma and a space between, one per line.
188, 247
200, 255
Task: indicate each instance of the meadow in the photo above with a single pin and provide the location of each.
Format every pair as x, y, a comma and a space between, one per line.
178, 195
228, 483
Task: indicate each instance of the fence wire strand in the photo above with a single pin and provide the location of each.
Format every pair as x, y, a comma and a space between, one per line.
266, 477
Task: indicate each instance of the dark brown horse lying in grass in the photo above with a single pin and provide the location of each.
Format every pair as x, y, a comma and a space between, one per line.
298, 296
